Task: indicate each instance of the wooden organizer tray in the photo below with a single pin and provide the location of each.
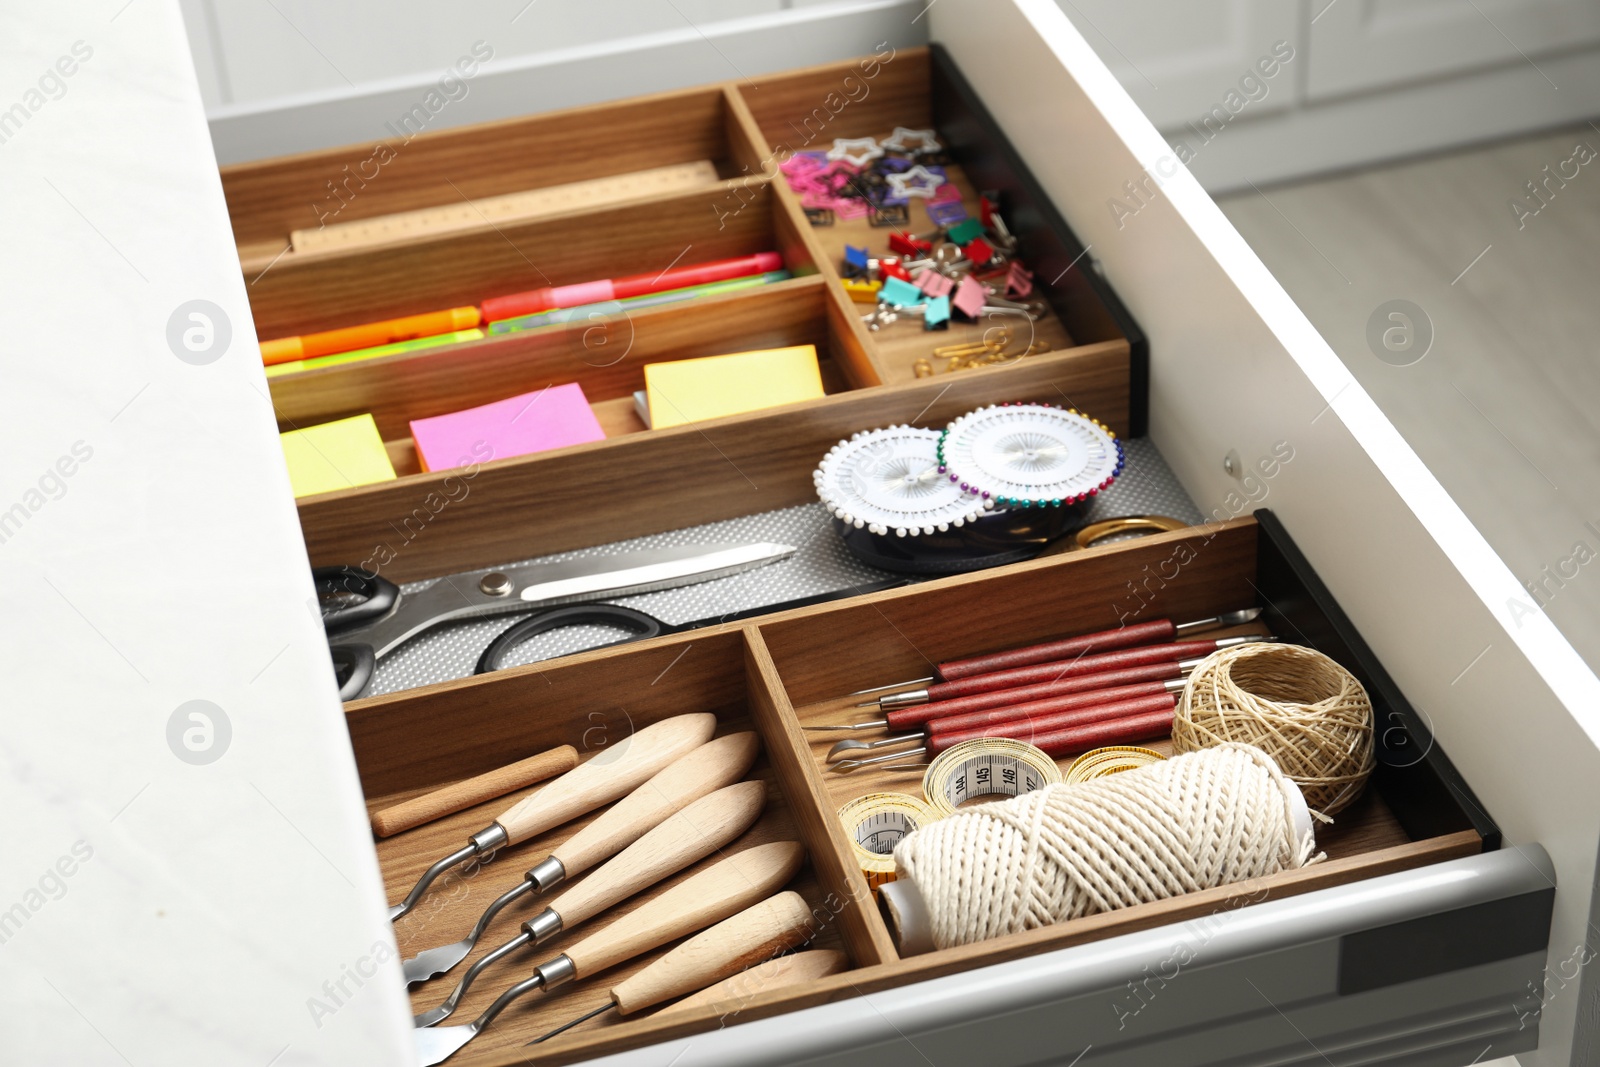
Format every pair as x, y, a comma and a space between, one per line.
1096, 363
780, 672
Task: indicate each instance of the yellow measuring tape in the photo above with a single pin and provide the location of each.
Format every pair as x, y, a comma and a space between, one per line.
877, 823
988, 766
1099, 762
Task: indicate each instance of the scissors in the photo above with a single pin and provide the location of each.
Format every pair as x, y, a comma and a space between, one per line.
641, 626
367, 616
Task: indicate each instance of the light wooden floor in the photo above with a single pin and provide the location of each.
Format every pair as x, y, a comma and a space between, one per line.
1505, 407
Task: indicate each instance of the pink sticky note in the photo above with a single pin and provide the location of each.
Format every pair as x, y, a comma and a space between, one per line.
533, 422
969, 298
945, 193
932, 282
847, 208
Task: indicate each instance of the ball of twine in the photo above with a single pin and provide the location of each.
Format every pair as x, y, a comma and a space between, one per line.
1295, 704
1059, 853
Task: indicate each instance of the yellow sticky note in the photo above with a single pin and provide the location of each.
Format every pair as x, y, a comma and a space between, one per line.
690, 390
336, 455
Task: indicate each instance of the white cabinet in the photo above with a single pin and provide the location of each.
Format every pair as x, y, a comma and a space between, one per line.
1187, 62
1360, 45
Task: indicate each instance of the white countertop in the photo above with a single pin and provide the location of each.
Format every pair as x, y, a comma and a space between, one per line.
155, 909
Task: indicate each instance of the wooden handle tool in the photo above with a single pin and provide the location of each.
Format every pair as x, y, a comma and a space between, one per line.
681, 839
776, 973
758, 933
459, 796
691, 835
708, 768
613, 773
709, 896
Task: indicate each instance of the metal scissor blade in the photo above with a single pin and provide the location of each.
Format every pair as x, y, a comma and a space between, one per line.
461, 596
649, 577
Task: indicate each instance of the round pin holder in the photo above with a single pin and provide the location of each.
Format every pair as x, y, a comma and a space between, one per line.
1033, 457
897, 511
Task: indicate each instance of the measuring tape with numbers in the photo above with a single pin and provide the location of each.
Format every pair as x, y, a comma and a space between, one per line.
988, 766
877, 823
1099, 762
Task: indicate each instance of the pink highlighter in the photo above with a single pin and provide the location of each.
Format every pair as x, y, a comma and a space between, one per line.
534, 301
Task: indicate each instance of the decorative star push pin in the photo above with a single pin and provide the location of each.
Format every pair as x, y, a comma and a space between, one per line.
858, 151
918, 181
924, 140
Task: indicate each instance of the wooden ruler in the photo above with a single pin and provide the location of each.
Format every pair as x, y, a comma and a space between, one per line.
511, 207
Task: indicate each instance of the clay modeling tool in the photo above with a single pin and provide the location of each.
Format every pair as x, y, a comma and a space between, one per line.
1030, 710
1055, 742
683, 838
797, 968
1057, 670
1023, 728
915, 715
459, 796
708, 768
612, 774
1155, 631
760, 932
709, 896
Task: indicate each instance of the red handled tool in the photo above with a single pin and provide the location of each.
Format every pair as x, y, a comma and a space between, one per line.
913, 716
1065, 734
1054, 671
1110, 702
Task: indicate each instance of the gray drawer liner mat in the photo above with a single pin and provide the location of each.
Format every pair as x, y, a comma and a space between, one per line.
822, 565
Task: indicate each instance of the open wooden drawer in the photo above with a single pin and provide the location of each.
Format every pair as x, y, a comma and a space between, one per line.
1417, 971
1343, 962
1095, 353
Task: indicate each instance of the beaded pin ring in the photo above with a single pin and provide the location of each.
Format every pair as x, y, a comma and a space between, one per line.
1020, 455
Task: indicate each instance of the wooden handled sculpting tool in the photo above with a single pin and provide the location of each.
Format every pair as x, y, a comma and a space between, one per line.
1056, 670
794, 969
708, 897
1032, 711
683, 838
708, 768
775, 925
1063, 737
460, 796
915, 715
613, 773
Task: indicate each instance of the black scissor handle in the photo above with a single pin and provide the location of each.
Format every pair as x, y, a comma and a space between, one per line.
349, 596
639, 626
352, 668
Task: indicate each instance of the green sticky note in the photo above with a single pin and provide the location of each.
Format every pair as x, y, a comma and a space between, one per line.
336, 455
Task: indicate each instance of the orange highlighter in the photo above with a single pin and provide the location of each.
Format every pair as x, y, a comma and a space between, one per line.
368, 335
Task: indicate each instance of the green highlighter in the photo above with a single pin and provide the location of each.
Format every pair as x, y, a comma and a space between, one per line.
375, 352
562, 316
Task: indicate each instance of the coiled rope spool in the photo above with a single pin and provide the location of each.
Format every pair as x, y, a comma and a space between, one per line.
1295, 704
1206, 819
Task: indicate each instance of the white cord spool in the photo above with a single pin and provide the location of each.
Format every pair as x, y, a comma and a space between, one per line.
1209, 818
